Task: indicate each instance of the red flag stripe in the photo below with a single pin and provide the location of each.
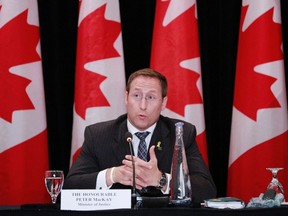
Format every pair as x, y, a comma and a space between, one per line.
100, 65
22, 173
23, 143
259, 132
175, 53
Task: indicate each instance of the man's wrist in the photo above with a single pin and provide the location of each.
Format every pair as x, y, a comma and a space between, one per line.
110, 176
162, 182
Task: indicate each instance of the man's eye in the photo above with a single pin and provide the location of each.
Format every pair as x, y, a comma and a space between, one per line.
137, 95
150, 97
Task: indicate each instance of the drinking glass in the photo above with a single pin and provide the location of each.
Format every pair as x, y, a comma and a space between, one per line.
274, 183
54, 180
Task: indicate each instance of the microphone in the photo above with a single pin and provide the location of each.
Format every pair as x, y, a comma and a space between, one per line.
128, 137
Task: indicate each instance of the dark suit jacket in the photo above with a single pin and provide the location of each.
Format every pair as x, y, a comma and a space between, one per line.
105, 146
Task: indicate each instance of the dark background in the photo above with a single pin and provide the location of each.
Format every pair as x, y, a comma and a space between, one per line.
218, 29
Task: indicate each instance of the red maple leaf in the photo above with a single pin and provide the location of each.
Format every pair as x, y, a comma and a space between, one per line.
96, 36
18, 41
260, 43
172, 44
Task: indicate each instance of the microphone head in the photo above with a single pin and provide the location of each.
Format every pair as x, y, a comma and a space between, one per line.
128, 136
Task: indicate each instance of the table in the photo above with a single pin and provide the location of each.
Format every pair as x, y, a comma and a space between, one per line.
48, 210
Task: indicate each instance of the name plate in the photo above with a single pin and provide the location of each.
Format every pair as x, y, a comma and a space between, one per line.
89, 200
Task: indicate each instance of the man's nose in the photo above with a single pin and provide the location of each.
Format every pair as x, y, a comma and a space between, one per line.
143, 103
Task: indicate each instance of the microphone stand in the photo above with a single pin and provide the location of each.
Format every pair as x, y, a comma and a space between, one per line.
134, 195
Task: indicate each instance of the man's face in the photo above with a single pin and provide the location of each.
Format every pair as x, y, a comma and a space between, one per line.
144, 102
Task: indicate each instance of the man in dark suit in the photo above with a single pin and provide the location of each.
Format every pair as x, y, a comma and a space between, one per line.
105, 159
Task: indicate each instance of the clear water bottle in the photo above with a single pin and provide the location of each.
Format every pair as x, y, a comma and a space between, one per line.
180, 185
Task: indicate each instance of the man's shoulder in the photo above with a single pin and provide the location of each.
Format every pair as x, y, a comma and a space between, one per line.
169, 123
172, 121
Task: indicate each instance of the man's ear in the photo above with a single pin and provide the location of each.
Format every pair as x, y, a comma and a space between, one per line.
164, 103
126, 97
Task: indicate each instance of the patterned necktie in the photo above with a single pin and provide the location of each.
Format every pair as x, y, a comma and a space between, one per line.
142, 151
142, 148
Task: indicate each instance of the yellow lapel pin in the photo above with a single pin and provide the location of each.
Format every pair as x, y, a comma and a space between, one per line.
158, 146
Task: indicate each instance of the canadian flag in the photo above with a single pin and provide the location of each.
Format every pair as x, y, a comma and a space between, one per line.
259, 132
100, 74
176, 54
23, 130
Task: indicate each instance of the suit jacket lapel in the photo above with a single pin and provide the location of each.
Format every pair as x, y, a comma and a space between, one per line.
164, 146
121, 147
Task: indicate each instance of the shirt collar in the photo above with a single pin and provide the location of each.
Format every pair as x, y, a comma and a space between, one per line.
133, 129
